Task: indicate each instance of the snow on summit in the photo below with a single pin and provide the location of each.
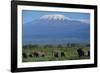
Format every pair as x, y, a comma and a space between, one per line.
62, 17
55, 17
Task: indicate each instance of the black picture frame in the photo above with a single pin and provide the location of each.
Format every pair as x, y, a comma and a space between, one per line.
14, 5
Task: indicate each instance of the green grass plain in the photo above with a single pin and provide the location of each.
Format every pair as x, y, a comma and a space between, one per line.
70, 53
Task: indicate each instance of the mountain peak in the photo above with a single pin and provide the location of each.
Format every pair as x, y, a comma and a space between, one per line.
55, 17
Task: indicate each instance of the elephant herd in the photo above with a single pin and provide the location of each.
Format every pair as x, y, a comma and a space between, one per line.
55, 53
34, 54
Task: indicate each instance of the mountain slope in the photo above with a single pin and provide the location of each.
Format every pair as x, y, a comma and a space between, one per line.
54, 29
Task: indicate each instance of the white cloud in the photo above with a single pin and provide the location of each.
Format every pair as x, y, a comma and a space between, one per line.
85, 21
82, 20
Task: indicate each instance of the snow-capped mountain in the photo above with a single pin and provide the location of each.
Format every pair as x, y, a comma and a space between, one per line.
55, 17
55, 29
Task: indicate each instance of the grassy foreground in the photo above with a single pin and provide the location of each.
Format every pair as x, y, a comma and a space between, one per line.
70, 53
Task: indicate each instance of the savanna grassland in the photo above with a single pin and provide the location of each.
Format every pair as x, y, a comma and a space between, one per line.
36, 53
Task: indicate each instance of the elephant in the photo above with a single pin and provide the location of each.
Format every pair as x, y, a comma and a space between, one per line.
80, 52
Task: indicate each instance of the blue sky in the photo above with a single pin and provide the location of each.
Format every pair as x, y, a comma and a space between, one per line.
30, 15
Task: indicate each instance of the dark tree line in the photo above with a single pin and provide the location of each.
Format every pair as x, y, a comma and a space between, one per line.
54, 46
